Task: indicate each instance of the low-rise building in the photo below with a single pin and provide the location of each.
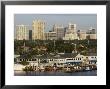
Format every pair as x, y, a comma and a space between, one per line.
70, 36
82, 35
60, 60
91, 36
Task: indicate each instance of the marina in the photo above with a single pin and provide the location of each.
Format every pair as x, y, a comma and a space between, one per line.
62, 50
47, 65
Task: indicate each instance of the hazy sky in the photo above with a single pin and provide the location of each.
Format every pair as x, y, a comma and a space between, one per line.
83, 21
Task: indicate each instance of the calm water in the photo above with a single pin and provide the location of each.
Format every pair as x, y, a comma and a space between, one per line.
35, 73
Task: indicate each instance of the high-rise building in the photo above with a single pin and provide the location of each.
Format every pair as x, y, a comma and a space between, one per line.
50, 36
71, 33
72, 28
38, 30
22, 32
30, 34
59, 29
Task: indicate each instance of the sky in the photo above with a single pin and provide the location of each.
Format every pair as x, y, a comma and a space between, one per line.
82, 21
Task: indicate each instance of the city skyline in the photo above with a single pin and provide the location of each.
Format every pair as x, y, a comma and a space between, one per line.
55, 44
60, 19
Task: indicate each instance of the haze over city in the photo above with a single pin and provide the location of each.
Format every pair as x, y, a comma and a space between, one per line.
83, 21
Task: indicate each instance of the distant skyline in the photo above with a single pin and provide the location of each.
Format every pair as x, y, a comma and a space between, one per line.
82, 21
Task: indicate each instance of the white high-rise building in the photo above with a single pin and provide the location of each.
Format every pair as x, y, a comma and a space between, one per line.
38, 30
22, 32
71, 33
72, 27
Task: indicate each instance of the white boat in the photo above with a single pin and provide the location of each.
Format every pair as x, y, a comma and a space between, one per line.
87, 68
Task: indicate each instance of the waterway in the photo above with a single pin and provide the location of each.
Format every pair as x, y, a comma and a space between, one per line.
58, 73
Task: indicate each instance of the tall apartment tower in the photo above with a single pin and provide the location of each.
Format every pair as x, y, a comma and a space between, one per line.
30, 34
71, 33
72, 28
38, 30
59, 29
22, 32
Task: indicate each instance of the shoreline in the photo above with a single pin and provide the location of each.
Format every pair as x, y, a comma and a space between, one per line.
57, 73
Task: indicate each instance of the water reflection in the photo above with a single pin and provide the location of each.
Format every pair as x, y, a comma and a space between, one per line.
58, 73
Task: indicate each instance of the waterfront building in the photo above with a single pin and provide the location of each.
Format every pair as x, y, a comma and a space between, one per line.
72, 28
92, 57
38, 30
15, 56
50, 36
60, 60
59, 29
18, 67
22, 32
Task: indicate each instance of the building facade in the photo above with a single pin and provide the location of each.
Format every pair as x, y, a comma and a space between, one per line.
59, 29
91, 31
50, 36
22, 32
71, 33
82, 35
61, 60
72, 27
38, 30
30, 34
91, 36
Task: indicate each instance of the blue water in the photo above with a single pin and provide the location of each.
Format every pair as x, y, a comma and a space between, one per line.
36, 73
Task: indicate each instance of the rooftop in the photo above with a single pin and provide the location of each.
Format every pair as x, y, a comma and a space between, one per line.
56, 56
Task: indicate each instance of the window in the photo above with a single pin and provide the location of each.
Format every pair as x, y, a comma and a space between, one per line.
32, 59
29, 59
